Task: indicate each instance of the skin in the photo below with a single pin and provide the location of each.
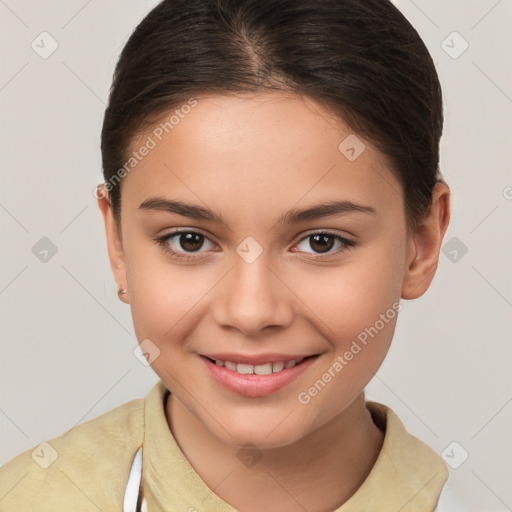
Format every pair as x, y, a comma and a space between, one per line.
251, 158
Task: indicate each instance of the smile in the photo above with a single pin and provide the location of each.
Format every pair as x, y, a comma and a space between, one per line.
258, 369
265, 376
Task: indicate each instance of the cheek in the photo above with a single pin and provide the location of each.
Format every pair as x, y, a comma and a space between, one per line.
347, 299
165, 298
358, 347
355, 307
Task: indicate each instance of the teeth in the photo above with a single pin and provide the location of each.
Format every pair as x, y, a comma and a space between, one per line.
230, 366
245, 368
263, 369
258, 369
277, 367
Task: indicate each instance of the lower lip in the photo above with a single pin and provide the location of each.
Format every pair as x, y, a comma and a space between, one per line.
256, 385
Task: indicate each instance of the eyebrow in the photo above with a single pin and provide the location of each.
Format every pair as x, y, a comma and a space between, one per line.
292, 216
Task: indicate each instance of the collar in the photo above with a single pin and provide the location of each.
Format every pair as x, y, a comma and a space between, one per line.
407, 475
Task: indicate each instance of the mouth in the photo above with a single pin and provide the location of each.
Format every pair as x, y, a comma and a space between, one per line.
268, 375
266, 368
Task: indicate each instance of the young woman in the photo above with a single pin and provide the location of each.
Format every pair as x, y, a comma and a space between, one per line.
272, 190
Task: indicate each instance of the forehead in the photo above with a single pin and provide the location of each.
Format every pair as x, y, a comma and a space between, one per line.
253, 151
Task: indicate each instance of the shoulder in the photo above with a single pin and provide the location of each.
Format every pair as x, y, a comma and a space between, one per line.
88, 464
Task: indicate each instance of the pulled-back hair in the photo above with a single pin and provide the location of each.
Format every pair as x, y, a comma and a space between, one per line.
361, 58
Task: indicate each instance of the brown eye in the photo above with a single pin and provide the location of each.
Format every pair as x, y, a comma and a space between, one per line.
323, 243
190, 241
185, 245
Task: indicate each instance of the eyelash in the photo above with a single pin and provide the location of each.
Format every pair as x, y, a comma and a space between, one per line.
163, 243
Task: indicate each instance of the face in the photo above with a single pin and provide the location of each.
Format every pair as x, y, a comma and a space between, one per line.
221, 265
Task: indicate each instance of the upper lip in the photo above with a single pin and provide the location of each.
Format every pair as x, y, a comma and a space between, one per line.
256, 359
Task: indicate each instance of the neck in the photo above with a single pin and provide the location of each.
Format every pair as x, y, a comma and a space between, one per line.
318, 473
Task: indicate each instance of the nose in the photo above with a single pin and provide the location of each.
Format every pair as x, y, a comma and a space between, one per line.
252, 297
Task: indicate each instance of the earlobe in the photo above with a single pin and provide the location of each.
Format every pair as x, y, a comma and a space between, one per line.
425, 245
114, 246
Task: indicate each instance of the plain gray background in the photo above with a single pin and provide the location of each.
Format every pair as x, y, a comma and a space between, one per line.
67, 341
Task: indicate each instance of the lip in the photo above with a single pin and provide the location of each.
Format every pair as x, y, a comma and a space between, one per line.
253, 385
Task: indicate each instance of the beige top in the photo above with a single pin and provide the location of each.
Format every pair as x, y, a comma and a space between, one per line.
87, 467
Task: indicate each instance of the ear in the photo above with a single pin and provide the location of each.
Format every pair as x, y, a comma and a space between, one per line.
425, 244
114, 242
